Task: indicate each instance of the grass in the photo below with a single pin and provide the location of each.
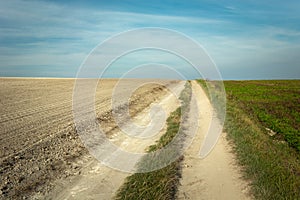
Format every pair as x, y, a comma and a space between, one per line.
275, 104
271, 163
162, 183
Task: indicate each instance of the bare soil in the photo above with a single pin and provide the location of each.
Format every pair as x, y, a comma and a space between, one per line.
38, 139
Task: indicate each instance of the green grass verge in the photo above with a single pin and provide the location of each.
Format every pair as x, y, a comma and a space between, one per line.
271, 163
162, 183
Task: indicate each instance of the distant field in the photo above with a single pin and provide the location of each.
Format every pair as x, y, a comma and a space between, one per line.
276, 104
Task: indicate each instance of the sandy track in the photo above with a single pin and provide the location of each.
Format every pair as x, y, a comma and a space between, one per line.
38, 140
217, 176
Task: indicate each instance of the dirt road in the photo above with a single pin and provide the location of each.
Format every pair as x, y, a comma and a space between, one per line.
217, 176
97, 181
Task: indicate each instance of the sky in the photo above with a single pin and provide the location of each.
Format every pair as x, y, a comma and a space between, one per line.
249, 39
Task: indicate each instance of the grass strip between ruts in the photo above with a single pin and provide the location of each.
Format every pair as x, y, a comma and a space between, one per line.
162, 183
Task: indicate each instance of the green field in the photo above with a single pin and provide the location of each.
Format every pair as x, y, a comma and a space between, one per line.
262, 121
276, 105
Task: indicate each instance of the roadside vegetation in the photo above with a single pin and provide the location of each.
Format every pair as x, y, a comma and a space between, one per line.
262, 121
162, 183
275, 104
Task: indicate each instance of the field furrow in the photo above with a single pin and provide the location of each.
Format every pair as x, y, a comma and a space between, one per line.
38, 139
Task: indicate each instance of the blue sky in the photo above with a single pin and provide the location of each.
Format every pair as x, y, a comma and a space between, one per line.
249, 39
